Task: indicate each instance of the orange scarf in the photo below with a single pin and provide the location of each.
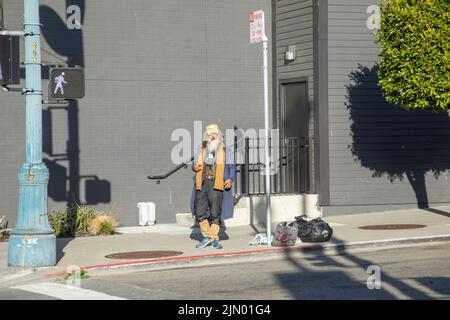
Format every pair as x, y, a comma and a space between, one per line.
220, 168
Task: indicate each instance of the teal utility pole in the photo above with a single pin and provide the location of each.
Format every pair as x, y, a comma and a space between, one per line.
32, 242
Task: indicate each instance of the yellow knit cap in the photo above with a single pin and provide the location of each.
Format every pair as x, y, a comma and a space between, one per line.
212, 128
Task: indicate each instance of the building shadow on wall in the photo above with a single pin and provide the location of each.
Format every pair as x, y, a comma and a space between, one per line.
64, 167
395, 143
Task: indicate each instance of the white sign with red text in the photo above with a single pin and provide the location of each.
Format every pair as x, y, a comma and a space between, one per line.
257, 31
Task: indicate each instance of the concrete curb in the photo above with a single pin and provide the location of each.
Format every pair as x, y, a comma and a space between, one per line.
214, 258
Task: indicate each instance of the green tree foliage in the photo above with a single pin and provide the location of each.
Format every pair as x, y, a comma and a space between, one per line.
414, 67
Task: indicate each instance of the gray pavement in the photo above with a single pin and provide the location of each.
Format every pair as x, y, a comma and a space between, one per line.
90, 252
417, 271
16, 294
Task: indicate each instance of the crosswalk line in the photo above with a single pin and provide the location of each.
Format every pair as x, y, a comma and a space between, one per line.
9, 277
66, 292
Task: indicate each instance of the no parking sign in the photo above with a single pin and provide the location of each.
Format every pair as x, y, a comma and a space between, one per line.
257, 30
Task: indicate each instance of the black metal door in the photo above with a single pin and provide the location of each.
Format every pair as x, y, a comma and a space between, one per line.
294, 151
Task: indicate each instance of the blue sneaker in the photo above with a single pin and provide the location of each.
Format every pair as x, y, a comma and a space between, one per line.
203, 243
216, 244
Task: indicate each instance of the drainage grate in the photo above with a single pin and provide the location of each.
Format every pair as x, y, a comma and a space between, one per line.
393, 226
143, 254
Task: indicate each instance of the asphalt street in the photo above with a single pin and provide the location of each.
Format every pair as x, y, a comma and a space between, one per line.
413, 272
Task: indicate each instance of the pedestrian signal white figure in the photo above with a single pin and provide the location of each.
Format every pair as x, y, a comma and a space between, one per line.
59, 83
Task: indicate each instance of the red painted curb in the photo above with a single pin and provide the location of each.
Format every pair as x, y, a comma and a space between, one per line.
138, 262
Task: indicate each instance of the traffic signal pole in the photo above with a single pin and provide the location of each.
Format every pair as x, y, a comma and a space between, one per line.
32, 242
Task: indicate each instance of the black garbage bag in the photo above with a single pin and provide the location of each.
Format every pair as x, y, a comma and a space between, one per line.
315, 230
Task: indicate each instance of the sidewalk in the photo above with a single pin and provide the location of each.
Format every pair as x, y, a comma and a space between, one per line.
89, 252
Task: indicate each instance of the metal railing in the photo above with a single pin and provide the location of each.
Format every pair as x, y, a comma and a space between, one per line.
158, 178
290, 167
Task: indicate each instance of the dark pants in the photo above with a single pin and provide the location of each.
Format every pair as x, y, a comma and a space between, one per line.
208, 200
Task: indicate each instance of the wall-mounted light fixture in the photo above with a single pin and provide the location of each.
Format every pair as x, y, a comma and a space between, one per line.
291, 53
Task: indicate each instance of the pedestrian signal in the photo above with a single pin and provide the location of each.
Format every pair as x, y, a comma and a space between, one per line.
66, 83
9, 60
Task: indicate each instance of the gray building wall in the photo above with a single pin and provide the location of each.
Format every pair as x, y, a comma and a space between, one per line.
380, 156
294, 25
151, 67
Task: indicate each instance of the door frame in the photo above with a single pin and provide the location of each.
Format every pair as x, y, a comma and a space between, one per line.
280, 112
281, 95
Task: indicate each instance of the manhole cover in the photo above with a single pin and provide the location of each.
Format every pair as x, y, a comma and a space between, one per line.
143, 254
393, 226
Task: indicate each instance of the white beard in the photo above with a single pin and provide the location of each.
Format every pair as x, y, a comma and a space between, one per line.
212, 145
211, 150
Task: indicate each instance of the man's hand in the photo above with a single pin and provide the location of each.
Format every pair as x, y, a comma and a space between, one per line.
197, 167
228, 184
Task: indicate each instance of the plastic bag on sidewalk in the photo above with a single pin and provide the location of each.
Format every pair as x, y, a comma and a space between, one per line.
285, 235
260, 239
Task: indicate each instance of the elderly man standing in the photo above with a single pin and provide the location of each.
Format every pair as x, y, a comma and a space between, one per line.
212, 196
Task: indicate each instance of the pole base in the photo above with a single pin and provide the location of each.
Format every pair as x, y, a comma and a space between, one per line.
31, 251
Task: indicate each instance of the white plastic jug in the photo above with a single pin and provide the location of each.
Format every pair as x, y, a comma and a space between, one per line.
147, 213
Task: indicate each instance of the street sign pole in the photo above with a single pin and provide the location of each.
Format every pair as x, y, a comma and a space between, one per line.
267, 144
257, 35
32, 242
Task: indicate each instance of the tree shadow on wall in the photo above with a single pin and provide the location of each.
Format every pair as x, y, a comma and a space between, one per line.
395, 143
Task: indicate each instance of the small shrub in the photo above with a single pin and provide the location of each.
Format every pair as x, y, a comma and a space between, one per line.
76, 275
77, 219
62, 222
83, 215
103, 225
4, 233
